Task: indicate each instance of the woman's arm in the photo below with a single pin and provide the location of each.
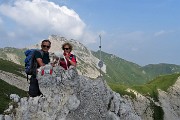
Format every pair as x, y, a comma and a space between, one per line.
72, 63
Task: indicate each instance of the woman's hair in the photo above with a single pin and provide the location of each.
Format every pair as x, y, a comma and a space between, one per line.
70, 46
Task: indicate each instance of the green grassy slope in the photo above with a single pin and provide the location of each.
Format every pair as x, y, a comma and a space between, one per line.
121, 71
149, 89
155, 70
128, 73
11, 67
160, 82
6, 90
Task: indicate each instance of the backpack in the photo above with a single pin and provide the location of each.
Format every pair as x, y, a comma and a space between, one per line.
30, 61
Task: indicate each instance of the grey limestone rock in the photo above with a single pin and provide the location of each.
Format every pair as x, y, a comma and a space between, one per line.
69, 96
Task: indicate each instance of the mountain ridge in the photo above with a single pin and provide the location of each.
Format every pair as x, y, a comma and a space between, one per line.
115, 69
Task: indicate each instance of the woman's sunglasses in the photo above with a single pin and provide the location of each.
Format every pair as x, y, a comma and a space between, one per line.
46, 46
66, 48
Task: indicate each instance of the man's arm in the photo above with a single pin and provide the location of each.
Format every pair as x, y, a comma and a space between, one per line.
38, 57
40, 62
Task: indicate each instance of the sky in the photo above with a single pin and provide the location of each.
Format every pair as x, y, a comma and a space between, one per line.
140, 31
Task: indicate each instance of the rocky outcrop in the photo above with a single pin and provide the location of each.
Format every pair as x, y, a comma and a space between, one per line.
170, 101
142, 105
69, 96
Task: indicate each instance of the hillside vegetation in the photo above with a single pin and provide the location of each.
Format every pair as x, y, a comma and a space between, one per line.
160, 82
150, 88
155, 70
128, 73
122, 71
11, 67
6, 90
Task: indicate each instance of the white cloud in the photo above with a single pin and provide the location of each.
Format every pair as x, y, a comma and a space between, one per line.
159, 33
162, 33
44, 17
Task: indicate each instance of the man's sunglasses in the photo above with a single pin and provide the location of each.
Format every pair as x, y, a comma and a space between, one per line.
46, 46
66, 48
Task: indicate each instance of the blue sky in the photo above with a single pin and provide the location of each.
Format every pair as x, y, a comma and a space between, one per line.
140, 31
